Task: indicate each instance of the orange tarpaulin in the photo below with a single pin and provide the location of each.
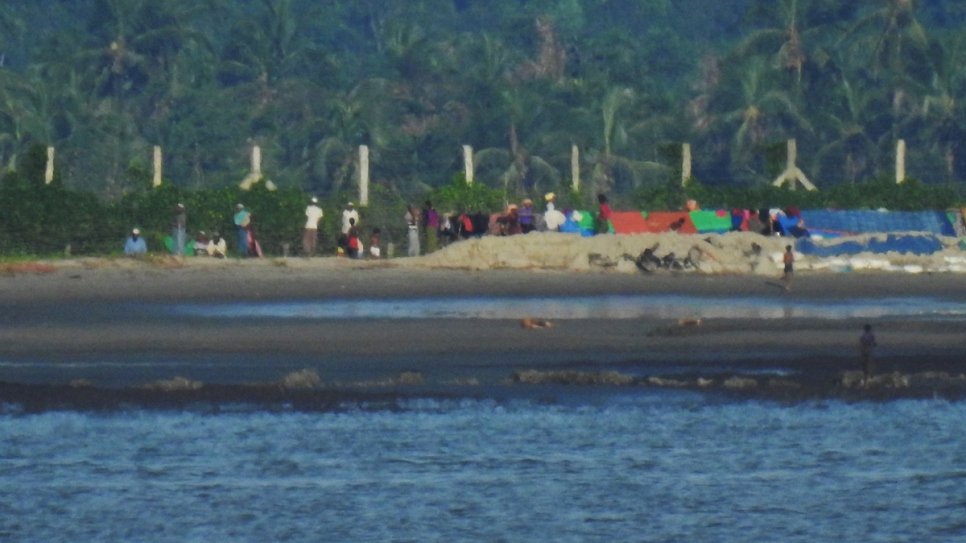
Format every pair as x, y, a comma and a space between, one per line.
663, 221
628, 222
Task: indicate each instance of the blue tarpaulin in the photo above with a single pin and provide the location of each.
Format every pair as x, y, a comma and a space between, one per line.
871, 222
918, 245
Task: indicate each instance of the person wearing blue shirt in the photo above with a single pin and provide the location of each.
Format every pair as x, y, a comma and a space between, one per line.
135, 244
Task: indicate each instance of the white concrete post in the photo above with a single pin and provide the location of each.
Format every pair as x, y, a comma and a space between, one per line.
468, 164
256, 162
49, 174
792, 173
791, 158
685, 163
363, 175
255, 175
575, 167
157, 166
900, 161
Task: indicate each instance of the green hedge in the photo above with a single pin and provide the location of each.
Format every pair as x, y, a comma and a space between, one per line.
911, 195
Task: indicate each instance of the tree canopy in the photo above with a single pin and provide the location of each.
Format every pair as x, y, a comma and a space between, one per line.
521, 81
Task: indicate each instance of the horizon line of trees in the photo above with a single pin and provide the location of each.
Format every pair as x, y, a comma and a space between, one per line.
104, 81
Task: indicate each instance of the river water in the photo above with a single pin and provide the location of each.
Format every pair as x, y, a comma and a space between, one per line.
597, 466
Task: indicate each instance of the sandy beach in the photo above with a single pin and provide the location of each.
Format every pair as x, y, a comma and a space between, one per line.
108, 323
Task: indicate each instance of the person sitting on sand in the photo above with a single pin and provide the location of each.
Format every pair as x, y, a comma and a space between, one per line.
866, 347
217, 246
135, 244
199, 245
508, 223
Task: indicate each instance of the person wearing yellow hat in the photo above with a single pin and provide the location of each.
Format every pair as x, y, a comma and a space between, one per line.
553, 219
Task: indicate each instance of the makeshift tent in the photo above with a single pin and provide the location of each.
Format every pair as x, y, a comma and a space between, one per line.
918, 245
788, 226
707, 222
871, 222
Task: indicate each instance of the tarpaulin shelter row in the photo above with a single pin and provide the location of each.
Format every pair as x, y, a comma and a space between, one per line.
816, 221
915, 244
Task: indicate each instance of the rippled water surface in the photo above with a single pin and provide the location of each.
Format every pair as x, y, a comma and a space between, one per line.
587, 307
618, 468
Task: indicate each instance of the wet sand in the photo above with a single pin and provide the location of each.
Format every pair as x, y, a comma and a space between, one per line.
92, 321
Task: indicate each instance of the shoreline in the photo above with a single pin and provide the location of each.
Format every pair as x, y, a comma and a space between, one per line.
91, 321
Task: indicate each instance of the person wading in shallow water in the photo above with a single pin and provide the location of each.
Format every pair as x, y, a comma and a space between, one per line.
789, 260
866, 348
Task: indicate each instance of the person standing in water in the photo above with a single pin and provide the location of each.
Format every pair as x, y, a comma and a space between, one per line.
866, 348
789, 260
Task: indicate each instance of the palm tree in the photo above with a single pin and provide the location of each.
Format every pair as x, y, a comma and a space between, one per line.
844, 124
24, 115
759, 113
891, 45
939, 120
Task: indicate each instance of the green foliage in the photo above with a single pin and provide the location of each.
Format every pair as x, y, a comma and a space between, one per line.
624, 80
911, 195
461, 196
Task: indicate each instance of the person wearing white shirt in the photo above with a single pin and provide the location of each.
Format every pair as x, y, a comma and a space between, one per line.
553, 218
217, 246
349, 213
313, 213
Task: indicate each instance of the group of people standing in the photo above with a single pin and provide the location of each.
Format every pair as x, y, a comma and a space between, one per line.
524, 219
421, 225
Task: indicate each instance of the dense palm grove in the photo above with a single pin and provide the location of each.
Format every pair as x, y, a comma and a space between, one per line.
626, 81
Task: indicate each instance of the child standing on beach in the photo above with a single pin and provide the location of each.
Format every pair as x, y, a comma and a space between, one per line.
789, 260
353, 235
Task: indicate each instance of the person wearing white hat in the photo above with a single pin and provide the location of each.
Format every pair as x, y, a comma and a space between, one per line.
349, 213
135, 244
312, 215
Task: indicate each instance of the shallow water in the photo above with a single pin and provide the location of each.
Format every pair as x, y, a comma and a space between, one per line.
627, 467
585, 307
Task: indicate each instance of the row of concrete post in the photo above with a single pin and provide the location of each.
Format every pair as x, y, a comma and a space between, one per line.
792, 174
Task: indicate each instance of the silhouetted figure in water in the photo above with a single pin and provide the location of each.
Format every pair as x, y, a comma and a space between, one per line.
866, 348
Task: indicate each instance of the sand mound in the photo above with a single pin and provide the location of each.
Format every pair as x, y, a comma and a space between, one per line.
734, 252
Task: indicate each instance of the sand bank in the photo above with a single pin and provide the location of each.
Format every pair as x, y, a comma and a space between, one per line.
93, 320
